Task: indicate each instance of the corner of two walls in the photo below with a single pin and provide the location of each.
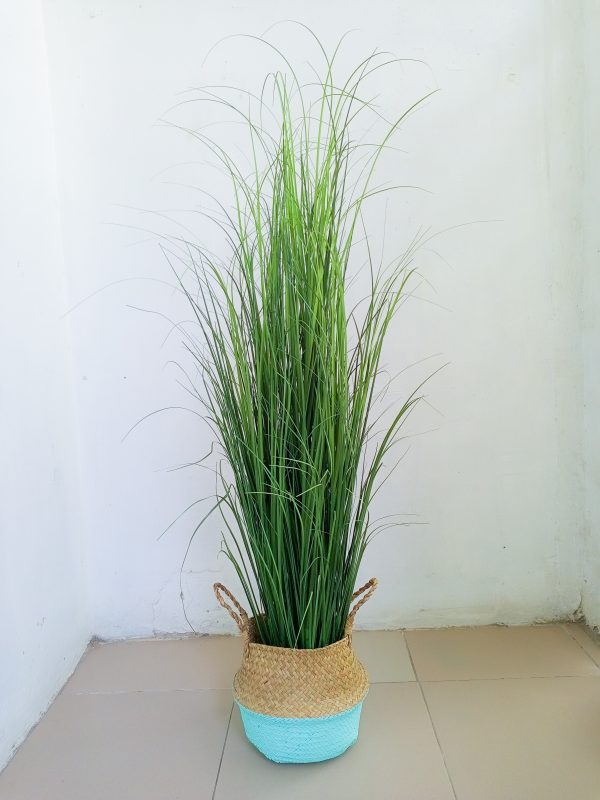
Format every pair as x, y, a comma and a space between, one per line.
44, 620
590, 312
573, 153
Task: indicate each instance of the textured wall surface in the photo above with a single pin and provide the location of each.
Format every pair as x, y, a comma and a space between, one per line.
500, 475
591, 315
44, 624
494, 466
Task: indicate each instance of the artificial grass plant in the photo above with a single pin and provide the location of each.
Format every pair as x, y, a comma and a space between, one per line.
288, 373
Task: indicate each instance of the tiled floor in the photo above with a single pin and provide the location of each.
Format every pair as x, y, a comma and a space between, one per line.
474, 713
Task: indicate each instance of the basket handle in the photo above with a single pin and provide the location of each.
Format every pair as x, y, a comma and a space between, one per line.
240, 618
366, 591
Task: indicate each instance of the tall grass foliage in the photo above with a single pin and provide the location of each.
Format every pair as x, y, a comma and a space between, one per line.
289, 375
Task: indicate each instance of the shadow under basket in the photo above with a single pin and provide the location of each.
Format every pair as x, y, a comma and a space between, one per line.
299, 706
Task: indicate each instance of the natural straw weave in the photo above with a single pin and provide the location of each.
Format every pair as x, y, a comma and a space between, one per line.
288, 682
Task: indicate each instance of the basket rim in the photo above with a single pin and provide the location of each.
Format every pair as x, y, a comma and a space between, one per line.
345, 640
247, 626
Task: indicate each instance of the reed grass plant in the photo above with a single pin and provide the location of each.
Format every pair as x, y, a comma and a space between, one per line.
289, 374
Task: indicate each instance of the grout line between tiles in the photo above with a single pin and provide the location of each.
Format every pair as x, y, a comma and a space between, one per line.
433, 728
102, 692
222, 752
510, 678
578, 643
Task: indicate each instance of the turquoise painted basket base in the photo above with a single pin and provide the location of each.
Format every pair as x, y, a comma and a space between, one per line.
301, 740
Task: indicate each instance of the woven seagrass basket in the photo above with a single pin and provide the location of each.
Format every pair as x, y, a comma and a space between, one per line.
299, 706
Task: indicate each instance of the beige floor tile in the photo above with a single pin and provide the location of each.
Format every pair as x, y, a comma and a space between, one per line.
385, 656
203, 662
527, 739
395, 757
136, 746
584, 639
497, 652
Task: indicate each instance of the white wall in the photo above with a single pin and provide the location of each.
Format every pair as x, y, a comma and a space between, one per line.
43, 619
591, 315
498, 479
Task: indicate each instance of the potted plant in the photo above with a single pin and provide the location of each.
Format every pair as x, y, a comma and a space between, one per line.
289, 380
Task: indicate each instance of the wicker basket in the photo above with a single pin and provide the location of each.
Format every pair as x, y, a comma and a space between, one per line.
297, 705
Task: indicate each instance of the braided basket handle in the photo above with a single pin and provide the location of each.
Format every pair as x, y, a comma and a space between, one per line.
366, 591
241, 617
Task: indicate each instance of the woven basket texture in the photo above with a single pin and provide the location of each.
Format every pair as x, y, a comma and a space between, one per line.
301, 741
294, 683
285, 682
